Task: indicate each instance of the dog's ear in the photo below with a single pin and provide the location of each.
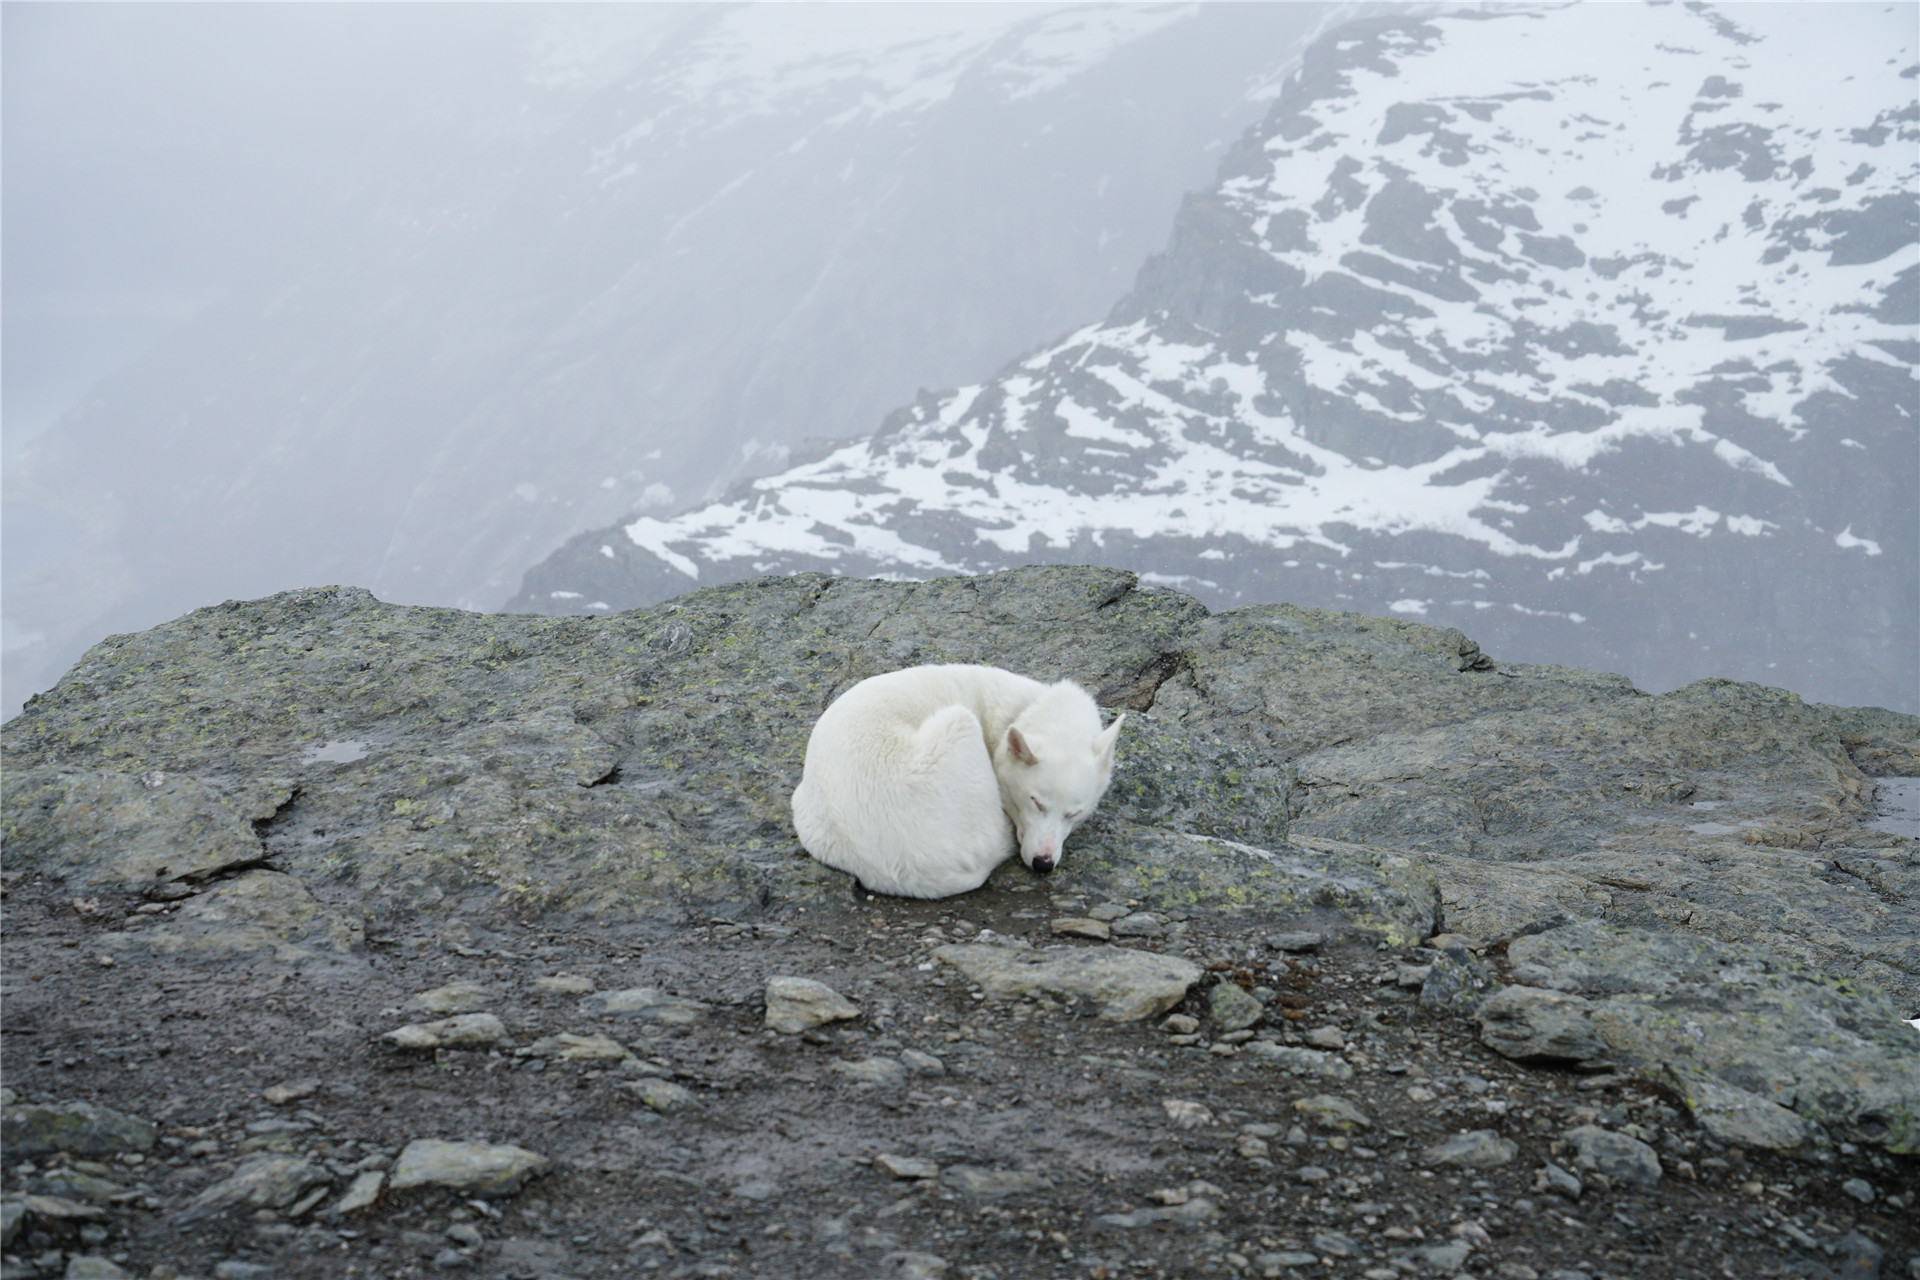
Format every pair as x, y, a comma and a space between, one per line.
1018, 746
1104, 740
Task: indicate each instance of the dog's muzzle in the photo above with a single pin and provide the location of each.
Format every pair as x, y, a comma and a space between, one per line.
1041, 866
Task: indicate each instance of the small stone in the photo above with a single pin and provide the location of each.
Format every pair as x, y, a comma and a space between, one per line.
886, 1072
1140, 924
1232, 1008
800, 1004
645, 1004
1082, 927
1331, 1112
1466, 942
235, 1269
1334, 1244
1742, 1119
1186, 1114
451, 1260
568, 1047
1273, 1264
1129, 984
1560, 1181
93, 1267
77, 1128
990, 1184
1311, 1174
906, 1167
1859, 1188
664, 1095
1615, 1156
564, 984
1479, 1149
913, 1266
1302, 1062
1180, 1024
1295, 942
363, 1191
482, 1169
73, 1184
263, 1182
757, 1189
281, 1094
1249, 1147
1327, 1038
455, 997
1445, 1259
1534, 1024
1109, 911
468, 1031
466, 1235
1457, 983
922, 1064
1411, 976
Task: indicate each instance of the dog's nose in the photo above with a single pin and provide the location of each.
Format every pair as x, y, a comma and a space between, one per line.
1042, 866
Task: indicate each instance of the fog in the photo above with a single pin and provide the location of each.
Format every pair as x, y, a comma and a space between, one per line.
404, 296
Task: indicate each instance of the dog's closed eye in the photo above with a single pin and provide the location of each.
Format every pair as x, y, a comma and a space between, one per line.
1036, 803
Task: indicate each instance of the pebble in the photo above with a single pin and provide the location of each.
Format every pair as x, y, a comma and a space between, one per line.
92, 1267
468, 1031
1559, 1181
922, 1064
1411, 976
1232, 1008
645, 1004
483, 1169
1250, 1147
281, 1094
906, 1167
913, 1266
1181, 1024
1129, 985
875, 1071
576, 1048
455, 997
235, 1269
1140, 924
1186, 1114
1302, 1062
991, 1183
1327, 1038
1199, 1209
1331, 1112
1458, 983
263, 1182
1615, 1156
1311, 1173
1295, 942
757, 1189
1272, 1264
564, 984
800, 1004
1107, 912
664, 1095
1478, 1149
361, 1192
1082, 927
1859, 1188
451, 1260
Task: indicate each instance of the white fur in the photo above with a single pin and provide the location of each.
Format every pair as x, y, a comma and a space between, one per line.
918, 781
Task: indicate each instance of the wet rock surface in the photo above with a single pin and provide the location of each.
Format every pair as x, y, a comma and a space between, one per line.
577, 829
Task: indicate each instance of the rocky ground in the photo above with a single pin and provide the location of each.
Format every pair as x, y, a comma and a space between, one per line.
940, 1131
350, 940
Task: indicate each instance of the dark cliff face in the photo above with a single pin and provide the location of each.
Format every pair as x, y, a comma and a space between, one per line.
1589, 331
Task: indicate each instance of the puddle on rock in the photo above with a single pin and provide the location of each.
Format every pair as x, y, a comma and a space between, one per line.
1896, 806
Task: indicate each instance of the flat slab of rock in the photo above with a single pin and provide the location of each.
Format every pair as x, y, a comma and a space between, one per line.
31, 1130
876, 1071
1129, 985
800, 1004
664, 1095
1731, 1025
468, 1031
264, 1182
1083, 927
906, 1168
1479, 1149
363, 1191
455, 997
1533, 1024
568, 1047
1330, 1112
645, 1004
564, 984
1295, 942
991, 1184
483, 1169
1299, 1061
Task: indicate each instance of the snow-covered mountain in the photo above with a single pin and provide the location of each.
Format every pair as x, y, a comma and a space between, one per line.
1589, 329
644, 255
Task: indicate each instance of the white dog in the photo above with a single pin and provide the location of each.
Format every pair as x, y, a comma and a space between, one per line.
918, 781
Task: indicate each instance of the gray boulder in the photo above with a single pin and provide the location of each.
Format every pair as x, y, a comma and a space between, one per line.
29, 1131
1127, 985
1532, 1024
1622, 1159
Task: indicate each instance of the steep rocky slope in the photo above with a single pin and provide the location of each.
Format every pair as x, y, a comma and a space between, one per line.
1591, 329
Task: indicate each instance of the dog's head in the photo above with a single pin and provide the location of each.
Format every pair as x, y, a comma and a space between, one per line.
1054, 764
